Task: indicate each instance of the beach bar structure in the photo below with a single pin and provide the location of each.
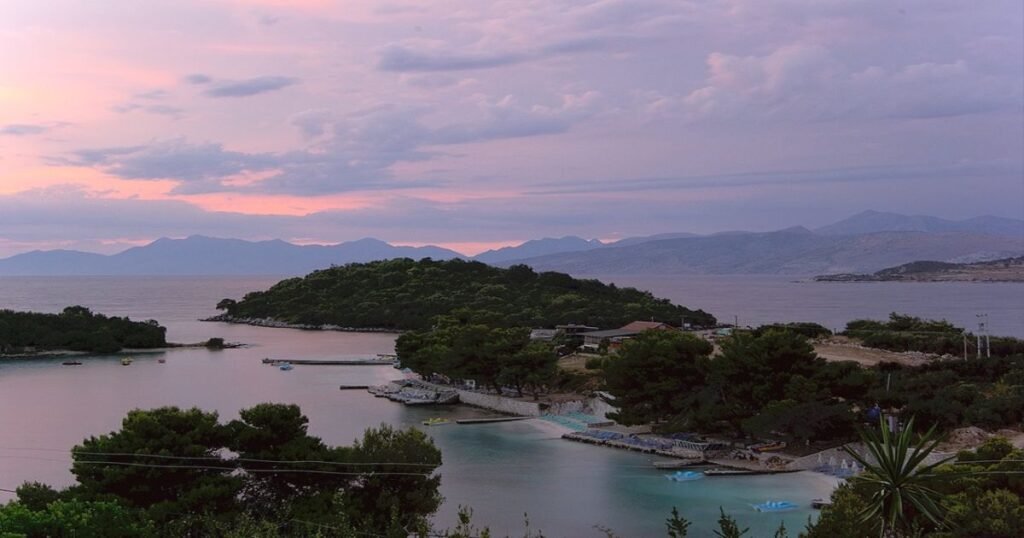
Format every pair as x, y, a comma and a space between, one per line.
593, 339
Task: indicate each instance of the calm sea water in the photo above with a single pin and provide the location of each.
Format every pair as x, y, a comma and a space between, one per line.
502, 471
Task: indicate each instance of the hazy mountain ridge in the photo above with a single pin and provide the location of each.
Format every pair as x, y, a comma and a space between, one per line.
200, 255
538, 247
791, 251
890, 239
876, 221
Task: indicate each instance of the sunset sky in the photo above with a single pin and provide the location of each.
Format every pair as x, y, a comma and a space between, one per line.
478, 123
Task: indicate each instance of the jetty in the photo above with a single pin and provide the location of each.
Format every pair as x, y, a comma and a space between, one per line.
412, 392
353, 387
489, 420
349, 362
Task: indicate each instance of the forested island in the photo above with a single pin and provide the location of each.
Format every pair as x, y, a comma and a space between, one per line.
404, 294
76, 328
1003, 270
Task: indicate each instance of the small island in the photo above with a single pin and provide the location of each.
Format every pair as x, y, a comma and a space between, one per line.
1002, 270
404, 294
75, 329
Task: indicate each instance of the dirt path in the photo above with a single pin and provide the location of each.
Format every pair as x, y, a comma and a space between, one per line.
843, 349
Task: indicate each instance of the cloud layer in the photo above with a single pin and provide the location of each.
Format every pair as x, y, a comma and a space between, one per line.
481, 121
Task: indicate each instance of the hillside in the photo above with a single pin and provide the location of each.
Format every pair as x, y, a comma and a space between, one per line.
405, 294
199, 255
538, 247
794, 251
1005, 270
876, 221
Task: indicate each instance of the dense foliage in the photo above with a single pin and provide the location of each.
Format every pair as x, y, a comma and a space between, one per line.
767, 384
909, 333
169, 472
982, 494
770, 383
461, 348
76, 329
406, 294
988, 393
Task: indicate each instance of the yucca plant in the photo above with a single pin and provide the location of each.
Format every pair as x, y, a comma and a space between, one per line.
897, 478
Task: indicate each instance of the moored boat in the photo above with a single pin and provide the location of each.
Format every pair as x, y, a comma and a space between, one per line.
126, 361
684, 476
775, 506
284, 366
71, 363
436, 421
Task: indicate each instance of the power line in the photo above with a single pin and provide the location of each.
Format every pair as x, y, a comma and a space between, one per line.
215, 458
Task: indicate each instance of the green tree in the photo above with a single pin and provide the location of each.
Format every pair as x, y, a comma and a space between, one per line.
531, 368
677, 526
898, 479
399, 488
74, 519
272, 442
727, 526
164, 460
655, 375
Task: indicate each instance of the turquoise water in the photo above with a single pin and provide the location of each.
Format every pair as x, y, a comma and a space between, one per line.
500, 470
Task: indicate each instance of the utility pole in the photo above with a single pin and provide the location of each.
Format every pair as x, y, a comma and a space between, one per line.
983, 331
965, 345
736, 322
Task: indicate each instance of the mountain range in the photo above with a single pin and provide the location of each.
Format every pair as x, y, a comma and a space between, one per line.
865, 242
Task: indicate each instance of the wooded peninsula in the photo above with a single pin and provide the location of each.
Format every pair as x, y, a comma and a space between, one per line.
404, 294
75, 329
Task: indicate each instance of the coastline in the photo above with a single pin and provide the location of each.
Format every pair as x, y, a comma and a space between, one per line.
62, 353
275, 324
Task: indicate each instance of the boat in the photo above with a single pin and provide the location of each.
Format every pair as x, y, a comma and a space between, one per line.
436, 421
71, 363
126, 361
775, 506
161, 361
684, 476
284, 366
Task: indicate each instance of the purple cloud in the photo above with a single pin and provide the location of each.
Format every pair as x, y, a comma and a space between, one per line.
249, 87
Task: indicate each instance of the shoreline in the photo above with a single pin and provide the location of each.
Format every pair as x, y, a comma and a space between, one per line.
275, 324
62, 353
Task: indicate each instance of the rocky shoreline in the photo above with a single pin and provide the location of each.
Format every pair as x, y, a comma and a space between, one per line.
276, 324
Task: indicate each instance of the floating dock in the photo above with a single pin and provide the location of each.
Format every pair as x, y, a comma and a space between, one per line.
353, 387
489, 420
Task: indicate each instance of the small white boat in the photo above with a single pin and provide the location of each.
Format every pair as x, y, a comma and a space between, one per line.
284, 366
126, 361
684, 476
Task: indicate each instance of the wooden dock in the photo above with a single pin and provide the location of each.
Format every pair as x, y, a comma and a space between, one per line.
489, 420
353, 362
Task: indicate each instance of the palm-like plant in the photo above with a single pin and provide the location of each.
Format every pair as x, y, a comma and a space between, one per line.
897, 477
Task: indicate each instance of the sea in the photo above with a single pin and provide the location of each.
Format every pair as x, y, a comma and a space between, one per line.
514, 476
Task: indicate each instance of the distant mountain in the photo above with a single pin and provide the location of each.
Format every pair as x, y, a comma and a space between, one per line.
796, 251
1004, 270
646, 238
199, 255
876, 221
538, 247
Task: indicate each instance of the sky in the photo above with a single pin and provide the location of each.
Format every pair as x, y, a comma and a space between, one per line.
474, 123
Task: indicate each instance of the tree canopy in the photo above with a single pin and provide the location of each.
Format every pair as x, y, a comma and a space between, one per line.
405, 294
461, 348
77, 329
174, 472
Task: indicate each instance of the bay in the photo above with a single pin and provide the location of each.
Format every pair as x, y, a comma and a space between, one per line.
502, 471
